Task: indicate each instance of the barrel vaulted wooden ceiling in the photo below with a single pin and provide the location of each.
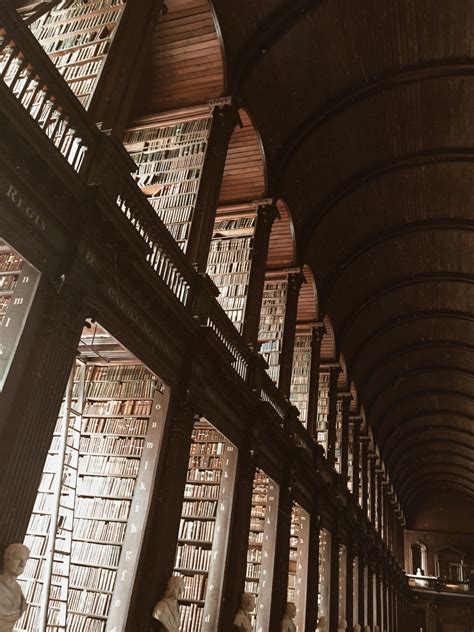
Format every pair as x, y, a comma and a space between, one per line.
365, 113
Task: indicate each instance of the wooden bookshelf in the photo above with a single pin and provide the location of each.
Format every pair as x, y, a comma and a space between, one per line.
96, 489
229, 261
323, 408
299, 392
338, 443
324, 577
170, 158
342, 583
77, 39
18, 283
298, 563
261, 547
272, 320
204, 526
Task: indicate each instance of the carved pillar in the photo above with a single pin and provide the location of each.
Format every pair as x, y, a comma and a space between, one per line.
313, 572
225, 117
356, 421
55, 325
334, 586
236, 562
118, 82
289, 329
379, 475
266, 214
158, 551
346, 403
282, 555
332, 413
385, 613
317, 333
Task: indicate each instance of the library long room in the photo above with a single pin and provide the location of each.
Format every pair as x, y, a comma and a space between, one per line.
236, 344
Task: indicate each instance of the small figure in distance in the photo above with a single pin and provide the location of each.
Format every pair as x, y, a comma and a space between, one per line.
166, 610
242, 620
322, 625
12, 602
287, 624
341, 625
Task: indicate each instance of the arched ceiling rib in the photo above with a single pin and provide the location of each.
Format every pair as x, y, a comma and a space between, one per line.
365, 112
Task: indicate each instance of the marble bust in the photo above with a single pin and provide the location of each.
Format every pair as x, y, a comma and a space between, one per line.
356, 628
322, 624
287, 624
242, 620
341, 625
366, 628
12, 601
166, 610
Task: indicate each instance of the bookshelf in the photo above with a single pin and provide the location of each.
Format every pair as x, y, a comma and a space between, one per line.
204, 526
323, 408
261, 546
170, 159
229, 261
87, 525
338, 443
299, 392
324, 578
342, 581
77, 37
298, 563
350, 456
18, 284
272, 320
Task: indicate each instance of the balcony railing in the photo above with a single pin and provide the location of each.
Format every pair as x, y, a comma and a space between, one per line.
438, 584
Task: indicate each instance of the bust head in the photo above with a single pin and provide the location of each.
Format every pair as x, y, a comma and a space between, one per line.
356, 628
366, 628
15, 558
174, 588
247, 602
290, 610
342, 624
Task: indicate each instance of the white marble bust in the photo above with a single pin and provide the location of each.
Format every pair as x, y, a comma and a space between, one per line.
356, 628
341, 625
242, 620
322, 624
166, 610
366, 628
288, 624
12, 601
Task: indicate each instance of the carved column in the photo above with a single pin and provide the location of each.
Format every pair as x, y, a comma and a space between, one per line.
317, 333
346, 404
266, 214
225, 117
289, 329
385, 614
54, 328
282, 555
158, 551
379, 475
332, 413
118, 82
